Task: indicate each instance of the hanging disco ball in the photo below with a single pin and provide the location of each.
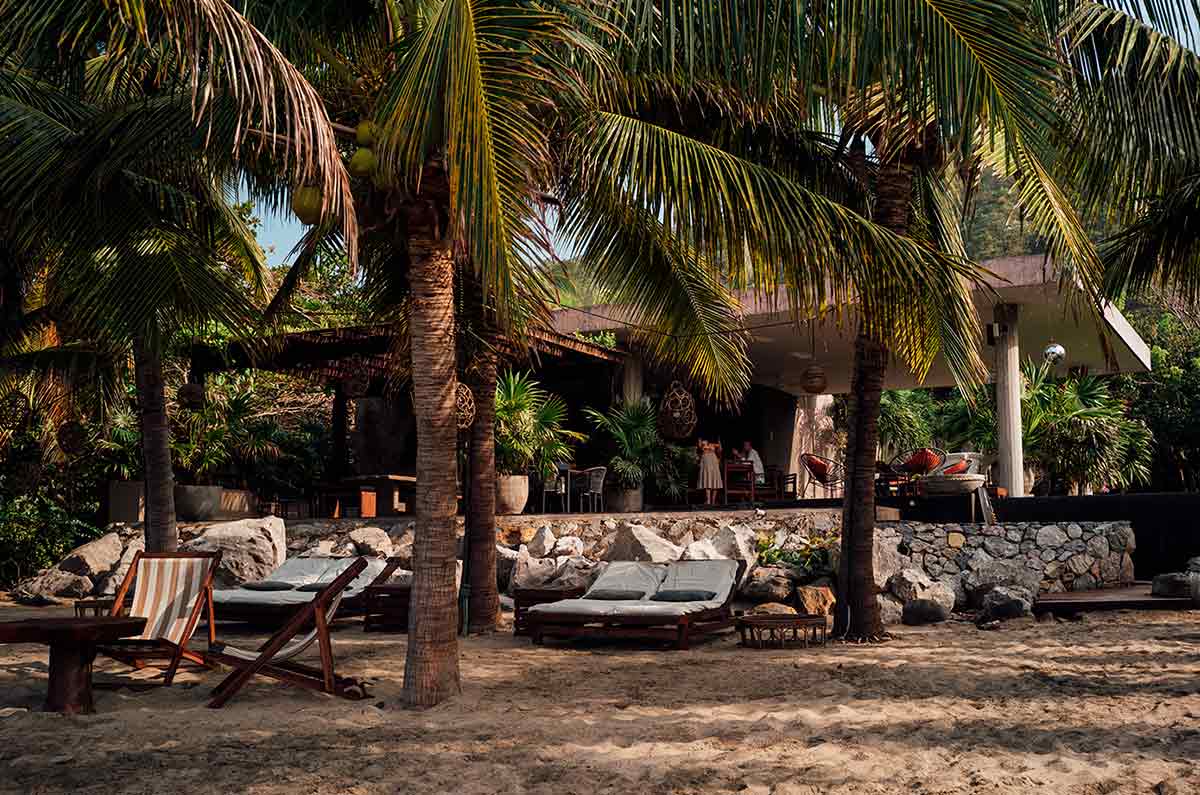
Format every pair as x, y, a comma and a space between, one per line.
1054, 354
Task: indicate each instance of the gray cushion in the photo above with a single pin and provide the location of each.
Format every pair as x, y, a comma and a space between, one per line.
314, 586
268, 585
682, 596
614, 595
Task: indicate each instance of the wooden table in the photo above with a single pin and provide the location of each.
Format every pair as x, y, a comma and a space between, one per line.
777, 631
740, 480
72, 643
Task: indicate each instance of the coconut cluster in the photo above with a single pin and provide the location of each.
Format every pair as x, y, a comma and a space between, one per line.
307, 200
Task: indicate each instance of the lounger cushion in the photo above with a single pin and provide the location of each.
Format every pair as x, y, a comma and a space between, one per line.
268, 585
702, 575
683, 596
313, 587
626, 575
614, 595
301, 571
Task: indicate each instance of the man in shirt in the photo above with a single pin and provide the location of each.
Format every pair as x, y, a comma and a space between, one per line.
751, 455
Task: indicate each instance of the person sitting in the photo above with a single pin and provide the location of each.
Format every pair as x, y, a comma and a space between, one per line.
751, 456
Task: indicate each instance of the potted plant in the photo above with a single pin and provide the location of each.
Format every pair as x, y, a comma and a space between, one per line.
530, 438
640, 453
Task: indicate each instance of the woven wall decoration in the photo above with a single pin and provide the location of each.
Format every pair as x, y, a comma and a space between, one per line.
677, 413
464, 403
814, 380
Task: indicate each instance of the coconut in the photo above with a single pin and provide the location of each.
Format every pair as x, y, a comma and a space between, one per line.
306, 204
364, 133
363, 163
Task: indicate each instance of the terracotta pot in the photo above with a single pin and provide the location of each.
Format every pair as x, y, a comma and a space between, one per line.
624, 500
512, 492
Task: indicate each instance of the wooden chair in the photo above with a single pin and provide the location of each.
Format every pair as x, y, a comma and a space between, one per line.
275, 657
781, 485
593, 489
555, 486
172, 590
823, 472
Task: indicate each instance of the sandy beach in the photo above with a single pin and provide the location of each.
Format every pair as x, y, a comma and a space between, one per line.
1109, 704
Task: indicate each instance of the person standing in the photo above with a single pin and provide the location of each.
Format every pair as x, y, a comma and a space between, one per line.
710, 470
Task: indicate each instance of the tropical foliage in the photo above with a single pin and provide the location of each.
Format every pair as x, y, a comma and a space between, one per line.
530, 437
639, 453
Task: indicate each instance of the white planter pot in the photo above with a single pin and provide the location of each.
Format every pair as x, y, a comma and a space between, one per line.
512, 492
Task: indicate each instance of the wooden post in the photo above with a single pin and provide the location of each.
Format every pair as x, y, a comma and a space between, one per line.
1009, 440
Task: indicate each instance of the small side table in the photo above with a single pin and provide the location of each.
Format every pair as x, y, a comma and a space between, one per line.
525, 598
97, 607
779, 631
72, 643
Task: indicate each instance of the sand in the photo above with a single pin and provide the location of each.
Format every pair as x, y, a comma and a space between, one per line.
1110, 704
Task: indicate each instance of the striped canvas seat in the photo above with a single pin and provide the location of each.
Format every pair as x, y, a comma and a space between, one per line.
170, 590
166, 594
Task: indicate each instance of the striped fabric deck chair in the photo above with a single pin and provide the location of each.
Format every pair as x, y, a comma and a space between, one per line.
275, 658
170, 591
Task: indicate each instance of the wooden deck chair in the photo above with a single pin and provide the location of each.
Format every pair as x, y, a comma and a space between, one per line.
275, 657
172, 588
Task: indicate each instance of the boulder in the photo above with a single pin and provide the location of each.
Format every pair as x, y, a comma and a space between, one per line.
531, 572
737, 542
909, 584
1120, 536
888, 558
95, 557
978, 582
771, 609
372, 542
322, 549
1000, 547
542, 543
815, 600
506, 558
700, 550
1051, 536
923, 611
109, 585
636, 542
1097, 547
943, 594
1005, 602
1193, 565
1174, 584
769, 584
567, 546
251, 548
51, 586
891, 609
576, 572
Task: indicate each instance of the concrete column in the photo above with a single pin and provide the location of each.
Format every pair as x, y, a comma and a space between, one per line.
1011, 452
632, 385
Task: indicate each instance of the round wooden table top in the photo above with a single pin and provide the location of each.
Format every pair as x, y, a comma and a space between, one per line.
93, 629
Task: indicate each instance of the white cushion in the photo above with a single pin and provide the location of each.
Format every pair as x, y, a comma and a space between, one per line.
302, 571
588, 608
701, 575
628, 575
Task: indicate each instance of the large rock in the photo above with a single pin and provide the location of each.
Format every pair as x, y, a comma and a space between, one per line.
923, 611
815, 600
1097, 546
576, 572
771, 609
909, 584
891, 609
888, 558
1005, 602
769, 584
737, 542
542, 543
1120, 536
700, 550
531, 572
635, 542
953, 583
1051, 537
52, 586
978, 582
372, 542
109, 585
251, 548
506, 558
95, 557
567, 547
1174, 584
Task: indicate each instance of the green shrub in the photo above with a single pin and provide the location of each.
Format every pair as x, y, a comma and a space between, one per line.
35, 533
814, 554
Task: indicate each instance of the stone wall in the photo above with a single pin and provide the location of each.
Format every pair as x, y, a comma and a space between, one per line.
1045, 558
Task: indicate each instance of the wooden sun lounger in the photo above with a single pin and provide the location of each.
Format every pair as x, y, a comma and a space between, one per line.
678, 630
172, 590
274, 658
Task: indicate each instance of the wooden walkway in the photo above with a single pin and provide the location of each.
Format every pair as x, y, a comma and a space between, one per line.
1133, 597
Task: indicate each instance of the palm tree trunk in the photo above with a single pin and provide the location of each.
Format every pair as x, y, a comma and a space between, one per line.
485, 595
160, 529
431, 666
857, 615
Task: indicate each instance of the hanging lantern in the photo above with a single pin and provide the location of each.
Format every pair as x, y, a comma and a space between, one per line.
14, 411
1054, 353
464, 404
814, 380
677, 413
356, 386
191, 396
72, 437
